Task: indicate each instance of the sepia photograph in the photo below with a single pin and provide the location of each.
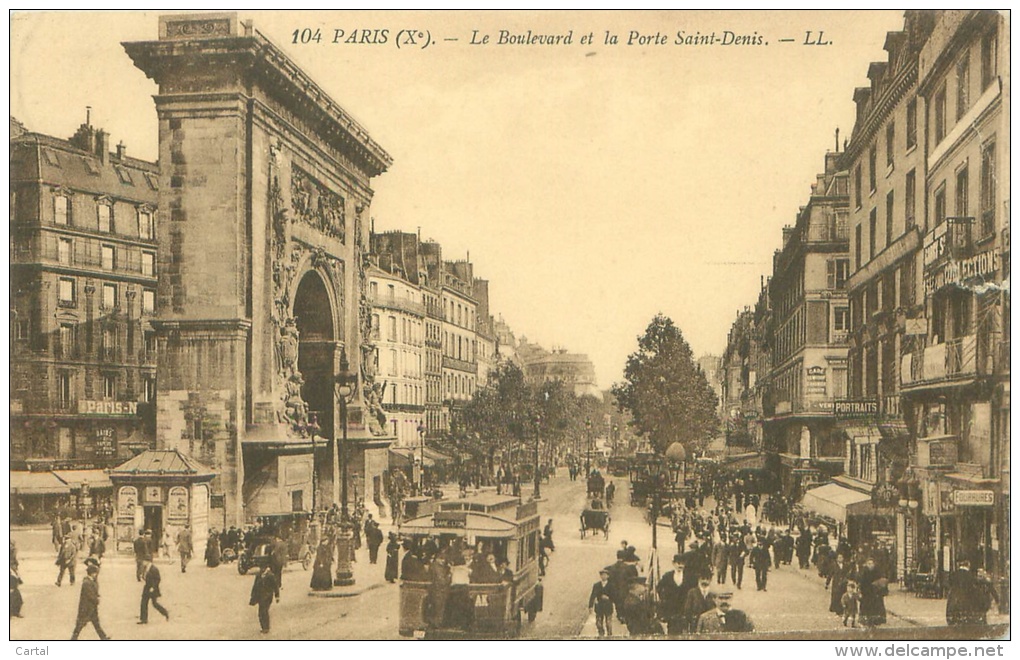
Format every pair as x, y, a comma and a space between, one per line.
485, 326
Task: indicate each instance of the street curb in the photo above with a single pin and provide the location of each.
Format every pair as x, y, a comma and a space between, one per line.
344, 593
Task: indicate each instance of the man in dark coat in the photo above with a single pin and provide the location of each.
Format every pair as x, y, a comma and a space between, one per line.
88, 605
601, 603
961, 602
760, 562
151, 593
440, 579
263, 591
736, 554
672, 589
374, 539
278, 556
620, 575
804, 546
697, 602
723, 618
413, 568
143, 553
392, 558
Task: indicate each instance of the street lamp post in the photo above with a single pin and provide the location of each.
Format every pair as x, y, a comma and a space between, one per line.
346, 386
587, 440
421, 470
538, 475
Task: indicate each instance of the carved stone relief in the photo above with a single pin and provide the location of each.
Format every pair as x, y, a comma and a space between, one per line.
317, 206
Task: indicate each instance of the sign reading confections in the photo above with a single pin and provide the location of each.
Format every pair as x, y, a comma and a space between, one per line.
956, 272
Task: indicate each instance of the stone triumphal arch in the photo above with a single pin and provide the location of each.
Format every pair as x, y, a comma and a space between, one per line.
263, 204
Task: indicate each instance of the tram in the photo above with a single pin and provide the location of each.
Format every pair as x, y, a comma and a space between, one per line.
479, 602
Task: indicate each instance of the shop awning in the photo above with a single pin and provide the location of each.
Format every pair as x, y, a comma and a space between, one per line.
836, 502
37, 483
748, 461
437, 456
408, 456
863, 435
75, 478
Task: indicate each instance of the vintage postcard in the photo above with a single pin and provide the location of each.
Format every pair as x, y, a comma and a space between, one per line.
543, 325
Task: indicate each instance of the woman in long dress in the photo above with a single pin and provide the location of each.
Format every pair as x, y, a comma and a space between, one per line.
322, 572
212, 551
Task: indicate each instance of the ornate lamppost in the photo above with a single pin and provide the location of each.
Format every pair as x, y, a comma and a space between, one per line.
587, 440
421, 470
346, 386
538, 475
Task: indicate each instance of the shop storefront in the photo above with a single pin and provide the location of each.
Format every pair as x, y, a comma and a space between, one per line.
161, 491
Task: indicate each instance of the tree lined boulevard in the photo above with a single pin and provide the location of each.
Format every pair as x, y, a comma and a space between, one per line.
213, 603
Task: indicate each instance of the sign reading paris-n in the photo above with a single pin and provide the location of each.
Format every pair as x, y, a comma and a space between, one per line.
124, 408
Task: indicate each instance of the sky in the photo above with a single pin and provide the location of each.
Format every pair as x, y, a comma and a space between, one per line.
594, 185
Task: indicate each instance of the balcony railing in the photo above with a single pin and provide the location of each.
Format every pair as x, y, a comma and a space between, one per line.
401, 304
956, 358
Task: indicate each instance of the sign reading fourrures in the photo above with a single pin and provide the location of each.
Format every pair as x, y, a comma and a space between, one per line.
264, 205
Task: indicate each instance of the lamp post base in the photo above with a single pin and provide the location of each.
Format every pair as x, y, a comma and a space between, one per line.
344, 550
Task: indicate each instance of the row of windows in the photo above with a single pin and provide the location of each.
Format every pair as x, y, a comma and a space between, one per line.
962, 85
410, 330
459, 314
909, 219
890, 153
404, 363
108, 257
891, 290
106, 221
459, 348
403, 393
67, 295
67, 344
109, 386
458, 386
986, 197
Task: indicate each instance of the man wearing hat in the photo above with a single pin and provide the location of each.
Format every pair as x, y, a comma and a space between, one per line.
601, 602
697, 601
672, 589
88, 604
143, 552
723, 618
760, 562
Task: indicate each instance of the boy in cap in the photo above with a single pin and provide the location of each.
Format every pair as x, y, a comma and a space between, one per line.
601, 602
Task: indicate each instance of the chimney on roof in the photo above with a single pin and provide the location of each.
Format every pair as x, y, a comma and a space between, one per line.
102, 145
121, 150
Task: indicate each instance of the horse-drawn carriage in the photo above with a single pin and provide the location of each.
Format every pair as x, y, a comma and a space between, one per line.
297, 530
595, 518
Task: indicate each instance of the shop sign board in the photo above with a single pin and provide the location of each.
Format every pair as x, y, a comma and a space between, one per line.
955, 272
855, 408
974, 498
121, 408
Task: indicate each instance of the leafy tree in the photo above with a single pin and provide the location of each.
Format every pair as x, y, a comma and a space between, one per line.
665, 391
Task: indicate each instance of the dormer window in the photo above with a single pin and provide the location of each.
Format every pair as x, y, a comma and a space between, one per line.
124, 175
